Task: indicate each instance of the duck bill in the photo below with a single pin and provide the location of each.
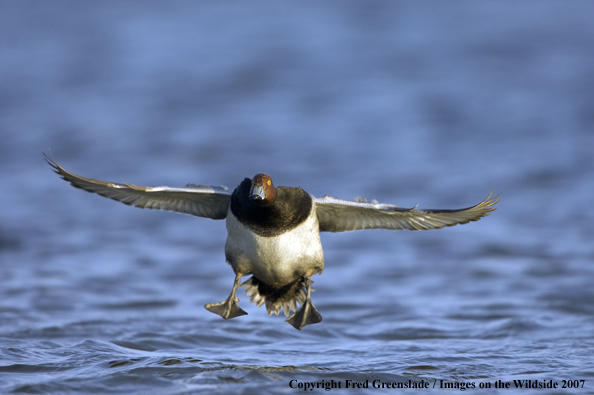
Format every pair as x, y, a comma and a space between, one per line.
257, 193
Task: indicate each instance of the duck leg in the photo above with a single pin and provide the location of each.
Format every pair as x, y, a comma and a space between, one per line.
228, 308
307, 313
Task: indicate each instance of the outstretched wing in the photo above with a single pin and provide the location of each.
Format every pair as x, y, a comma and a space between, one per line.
199, 200
337, 215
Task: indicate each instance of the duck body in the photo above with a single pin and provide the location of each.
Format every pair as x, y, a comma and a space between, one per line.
274, 232
278, 244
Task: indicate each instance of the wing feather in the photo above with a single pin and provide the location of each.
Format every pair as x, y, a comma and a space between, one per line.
199, 200
337, 215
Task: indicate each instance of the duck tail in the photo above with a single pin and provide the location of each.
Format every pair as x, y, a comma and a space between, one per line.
275, 298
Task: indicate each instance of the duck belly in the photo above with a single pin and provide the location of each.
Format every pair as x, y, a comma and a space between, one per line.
276, 260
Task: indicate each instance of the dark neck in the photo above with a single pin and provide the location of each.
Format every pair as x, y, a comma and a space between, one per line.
291, 208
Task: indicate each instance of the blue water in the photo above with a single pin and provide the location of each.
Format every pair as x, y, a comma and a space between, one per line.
429, 103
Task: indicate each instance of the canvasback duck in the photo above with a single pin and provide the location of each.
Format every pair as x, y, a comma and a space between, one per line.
274, 232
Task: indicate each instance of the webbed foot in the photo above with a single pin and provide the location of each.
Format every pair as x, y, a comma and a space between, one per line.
228, 308
307, 313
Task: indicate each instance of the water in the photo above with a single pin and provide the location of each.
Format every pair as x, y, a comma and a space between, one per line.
409, 103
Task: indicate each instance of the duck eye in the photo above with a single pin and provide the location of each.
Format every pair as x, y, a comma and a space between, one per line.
268, 182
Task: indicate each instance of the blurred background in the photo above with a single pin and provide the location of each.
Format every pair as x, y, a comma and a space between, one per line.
430, 103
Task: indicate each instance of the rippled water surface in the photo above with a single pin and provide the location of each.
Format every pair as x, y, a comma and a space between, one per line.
408, 103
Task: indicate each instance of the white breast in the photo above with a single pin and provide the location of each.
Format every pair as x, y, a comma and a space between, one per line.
276, 260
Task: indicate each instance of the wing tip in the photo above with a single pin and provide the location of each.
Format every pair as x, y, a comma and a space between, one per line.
51, 161
489, 202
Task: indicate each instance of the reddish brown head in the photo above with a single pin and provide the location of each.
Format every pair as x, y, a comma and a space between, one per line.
262, 192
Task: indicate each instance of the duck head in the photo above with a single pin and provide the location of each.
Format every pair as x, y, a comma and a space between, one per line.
262, 192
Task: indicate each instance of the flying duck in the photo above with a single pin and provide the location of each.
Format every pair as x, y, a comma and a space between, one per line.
274, 232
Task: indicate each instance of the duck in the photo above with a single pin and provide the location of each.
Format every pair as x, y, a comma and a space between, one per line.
273, 233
